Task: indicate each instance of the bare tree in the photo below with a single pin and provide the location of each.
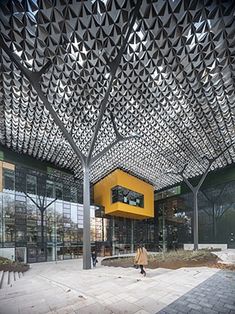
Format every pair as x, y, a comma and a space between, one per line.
41, 202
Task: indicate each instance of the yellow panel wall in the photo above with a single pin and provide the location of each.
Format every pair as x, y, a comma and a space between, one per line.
103, 195
5, 165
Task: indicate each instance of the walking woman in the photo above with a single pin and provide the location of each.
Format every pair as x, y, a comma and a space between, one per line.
141, 258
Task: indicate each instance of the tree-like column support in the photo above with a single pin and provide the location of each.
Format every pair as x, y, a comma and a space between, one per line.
196, 189
195, 220
86, 160
86, 219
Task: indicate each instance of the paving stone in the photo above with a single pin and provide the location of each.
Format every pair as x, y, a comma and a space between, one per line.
181, 308
220, 309
193, 311
230, 307
195, 306
206, 290
212, 296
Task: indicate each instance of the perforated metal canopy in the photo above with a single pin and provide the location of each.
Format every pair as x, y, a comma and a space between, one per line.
174, 86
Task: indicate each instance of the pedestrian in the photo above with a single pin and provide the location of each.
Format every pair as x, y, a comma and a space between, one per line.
94, 258
141, 258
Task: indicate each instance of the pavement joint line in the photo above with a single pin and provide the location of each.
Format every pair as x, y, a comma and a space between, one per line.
88, 285
57, 283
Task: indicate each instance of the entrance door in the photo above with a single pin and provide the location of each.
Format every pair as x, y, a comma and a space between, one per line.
20, 254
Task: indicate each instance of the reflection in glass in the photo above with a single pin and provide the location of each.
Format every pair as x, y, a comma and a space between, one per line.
31, 184
8, 179
121, 194
59, 191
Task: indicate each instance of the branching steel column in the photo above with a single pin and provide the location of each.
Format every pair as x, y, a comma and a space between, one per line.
195, 219
86, 219
195, 190
34, 78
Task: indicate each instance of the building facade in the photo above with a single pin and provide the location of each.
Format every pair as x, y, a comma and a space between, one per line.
41, 214
216, 202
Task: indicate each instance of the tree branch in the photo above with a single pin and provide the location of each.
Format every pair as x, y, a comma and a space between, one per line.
50, 203
103, 152
40, 201
183, 169
113, 65
192, 188
118, 135
203, 177
38, 206
220, 154
210, 161
45, 68
208, 199
34, 79
106, 149
224, 211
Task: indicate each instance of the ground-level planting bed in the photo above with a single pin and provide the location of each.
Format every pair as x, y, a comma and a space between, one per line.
172, 260
8, 265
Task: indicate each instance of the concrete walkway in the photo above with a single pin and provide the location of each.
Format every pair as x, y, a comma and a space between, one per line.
227, 256
65, 288
214, 295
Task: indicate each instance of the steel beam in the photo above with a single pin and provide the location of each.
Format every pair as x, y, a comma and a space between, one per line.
195, 220
86, 219
34, 79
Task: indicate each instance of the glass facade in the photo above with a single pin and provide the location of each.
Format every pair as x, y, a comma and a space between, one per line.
216, 216
124, 234
121, 194
41, 215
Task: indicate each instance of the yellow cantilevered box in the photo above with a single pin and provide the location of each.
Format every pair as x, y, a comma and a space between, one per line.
118, 179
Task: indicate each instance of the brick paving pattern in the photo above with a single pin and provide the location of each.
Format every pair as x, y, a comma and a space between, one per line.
213, 296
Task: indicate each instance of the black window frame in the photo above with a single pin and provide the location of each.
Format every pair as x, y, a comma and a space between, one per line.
120, 198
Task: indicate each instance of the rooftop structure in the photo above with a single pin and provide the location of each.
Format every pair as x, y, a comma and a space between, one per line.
174, 86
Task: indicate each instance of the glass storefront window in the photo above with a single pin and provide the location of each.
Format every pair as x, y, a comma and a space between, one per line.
31, 231
50, 189
74, 213
168, 193
66, 193
121, 194
59, 191
20, 235
9, 231
59, 211
74, 197
31, 184
8, 179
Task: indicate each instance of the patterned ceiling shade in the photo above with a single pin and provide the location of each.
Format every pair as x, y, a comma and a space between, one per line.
174, 86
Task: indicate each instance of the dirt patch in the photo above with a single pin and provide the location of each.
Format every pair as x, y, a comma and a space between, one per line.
223, 266
173, 260
8, 265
